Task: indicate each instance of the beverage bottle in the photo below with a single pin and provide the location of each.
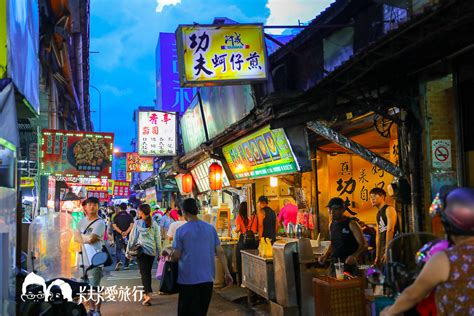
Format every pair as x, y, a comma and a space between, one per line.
299, 231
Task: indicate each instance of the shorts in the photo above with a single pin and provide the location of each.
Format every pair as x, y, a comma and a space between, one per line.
95, 276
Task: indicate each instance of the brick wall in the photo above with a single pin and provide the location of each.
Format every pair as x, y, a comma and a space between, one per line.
438, 108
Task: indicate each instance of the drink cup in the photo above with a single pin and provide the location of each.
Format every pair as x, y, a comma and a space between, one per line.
339, 267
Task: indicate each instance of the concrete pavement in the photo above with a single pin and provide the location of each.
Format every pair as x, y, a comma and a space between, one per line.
161, 304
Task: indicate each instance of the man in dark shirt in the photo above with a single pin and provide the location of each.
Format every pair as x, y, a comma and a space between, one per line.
269, 220
347, 240
122, 224
387, 224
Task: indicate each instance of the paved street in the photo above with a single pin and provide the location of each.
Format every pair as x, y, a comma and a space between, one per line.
161, 304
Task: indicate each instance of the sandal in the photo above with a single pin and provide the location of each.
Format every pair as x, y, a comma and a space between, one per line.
146, 301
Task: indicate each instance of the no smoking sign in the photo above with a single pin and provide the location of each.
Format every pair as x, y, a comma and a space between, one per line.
441, 153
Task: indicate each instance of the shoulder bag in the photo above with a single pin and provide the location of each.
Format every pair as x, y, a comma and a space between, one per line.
250, 241
169, 277
109, 260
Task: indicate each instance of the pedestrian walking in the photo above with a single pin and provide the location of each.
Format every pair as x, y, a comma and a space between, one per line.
195, 245
147, 236
175, 225
122, 225
90, 234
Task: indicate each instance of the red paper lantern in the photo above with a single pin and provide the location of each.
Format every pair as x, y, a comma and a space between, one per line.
215, 176
187, 183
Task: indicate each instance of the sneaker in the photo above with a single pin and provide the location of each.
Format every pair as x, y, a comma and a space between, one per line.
118, 266
126, 267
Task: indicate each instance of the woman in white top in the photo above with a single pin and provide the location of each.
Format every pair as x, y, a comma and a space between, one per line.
175, 225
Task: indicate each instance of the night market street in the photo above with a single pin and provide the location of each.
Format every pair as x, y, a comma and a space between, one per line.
236, 157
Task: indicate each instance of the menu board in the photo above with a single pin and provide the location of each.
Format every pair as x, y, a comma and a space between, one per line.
156, 133
74, 153
263, 153
201, 175
136, 163
121, 188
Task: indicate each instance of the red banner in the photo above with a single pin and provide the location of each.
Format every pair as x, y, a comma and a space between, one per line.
73, 153
121, 188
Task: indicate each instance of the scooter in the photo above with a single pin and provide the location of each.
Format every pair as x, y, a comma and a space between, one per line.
54, 302
406, 257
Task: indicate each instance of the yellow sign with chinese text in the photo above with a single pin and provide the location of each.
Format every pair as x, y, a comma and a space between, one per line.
27, 182
221, 54
3, 39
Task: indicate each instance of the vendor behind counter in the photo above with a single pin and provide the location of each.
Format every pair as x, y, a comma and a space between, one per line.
347, 239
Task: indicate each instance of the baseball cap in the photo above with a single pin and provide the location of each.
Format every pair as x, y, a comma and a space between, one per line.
336, 203
263, 199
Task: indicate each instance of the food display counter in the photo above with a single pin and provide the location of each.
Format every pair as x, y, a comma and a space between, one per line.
286, 278
258, 274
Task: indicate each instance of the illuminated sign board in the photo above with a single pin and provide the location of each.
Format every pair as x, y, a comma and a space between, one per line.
263, 153
221, 54
156, 133
74, 153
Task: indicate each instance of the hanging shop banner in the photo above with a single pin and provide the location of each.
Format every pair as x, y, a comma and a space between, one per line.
101, 195
82, 180
121, 188
264, 153
73, 153
27, 182
110, 187
120, 167
221, 54
136, 163
150, 197
201, 175
156, 133
97, 188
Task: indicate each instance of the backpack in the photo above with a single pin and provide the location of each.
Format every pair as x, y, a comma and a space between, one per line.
249, 239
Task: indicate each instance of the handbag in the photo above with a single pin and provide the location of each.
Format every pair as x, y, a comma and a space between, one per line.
109, 260
136, 250
169, 279
161, 265
249, 239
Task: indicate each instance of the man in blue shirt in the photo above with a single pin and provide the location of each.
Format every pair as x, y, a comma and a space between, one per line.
195, 245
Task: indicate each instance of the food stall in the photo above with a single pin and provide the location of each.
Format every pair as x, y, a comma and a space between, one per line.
209, 183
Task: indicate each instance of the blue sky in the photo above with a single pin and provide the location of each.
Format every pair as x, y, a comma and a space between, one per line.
125, 33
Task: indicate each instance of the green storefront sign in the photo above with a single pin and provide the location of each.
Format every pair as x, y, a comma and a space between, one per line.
261, 154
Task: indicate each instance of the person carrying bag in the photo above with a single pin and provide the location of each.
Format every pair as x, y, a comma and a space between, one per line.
247, 238
144, 244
